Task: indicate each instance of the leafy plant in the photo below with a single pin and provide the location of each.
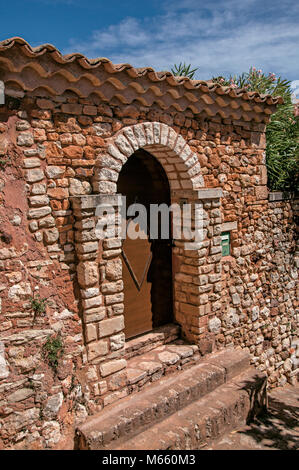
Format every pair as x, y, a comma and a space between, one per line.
3, 162
53, 350
282, 132
282, 152
183, 70
256, 80
38, 305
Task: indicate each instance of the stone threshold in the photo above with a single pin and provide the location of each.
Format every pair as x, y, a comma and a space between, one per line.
151, 340
146, 368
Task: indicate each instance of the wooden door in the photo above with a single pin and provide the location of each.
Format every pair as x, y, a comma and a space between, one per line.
147, 272
137, 257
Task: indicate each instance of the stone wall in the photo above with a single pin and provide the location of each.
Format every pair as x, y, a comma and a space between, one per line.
55, 153
260, 291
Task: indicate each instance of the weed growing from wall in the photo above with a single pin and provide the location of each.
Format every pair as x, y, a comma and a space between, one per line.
53, 350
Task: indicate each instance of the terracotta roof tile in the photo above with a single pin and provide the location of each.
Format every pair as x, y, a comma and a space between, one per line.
124, 83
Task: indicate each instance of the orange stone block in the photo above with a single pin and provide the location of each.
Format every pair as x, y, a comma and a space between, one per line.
88, 152
95, 141
55, 205
73, 151
52, 150
85, 120
52, 136
58, 193
65, 204
39, 135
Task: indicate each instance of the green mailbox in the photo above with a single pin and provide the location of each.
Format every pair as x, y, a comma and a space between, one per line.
225, 243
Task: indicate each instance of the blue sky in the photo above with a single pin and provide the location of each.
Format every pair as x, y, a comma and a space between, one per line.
220, 37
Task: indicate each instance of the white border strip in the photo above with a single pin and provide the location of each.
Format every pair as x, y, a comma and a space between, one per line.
2, 95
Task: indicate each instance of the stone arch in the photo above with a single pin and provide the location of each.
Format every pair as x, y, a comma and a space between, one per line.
170, 148
102, 290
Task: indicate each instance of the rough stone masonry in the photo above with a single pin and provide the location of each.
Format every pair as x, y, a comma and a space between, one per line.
67, 126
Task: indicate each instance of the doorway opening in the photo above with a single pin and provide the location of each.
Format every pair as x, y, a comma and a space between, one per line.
147, 263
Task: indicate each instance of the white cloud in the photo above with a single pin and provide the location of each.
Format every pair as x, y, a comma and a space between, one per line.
127, 33
227, 37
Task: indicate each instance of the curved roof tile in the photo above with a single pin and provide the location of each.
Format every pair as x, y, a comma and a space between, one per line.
56, 73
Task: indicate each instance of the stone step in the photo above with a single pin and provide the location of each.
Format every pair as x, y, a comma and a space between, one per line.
146, 342
168, 395
201, 422
149, 367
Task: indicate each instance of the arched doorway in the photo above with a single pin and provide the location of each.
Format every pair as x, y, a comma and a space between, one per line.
147, 269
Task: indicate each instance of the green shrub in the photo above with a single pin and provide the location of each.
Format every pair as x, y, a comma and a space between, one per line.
53, 350
38, 305
282, 132
183, 70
